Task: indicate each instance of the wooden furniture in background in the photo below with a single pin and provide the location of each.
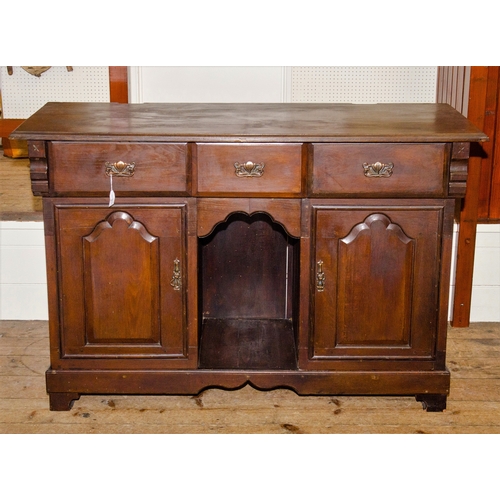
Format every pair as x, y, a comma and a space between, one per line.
475, 92
12, 148
118, 84
118, 92
305, 246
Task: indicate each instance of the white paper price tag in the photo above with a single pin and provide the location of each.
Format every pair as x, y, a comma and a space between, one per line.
111, 192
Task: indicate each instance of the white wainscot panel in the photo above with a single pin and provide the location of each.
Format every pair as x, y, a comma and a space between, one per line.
486, 266
21, 234
485, 304
23, 302
22, 265
23, 288
207, 84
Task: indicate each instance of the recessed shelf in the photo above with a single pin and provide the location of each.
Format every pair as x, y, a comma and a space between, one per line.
248, 280
248, 344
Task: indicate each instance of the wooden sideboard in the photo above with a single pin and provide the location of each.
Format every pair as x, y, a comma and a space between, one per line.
305, 246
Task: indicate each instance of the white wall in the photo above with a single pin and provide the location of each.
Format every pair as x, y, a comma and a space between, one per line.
23, 93
363, 84
485, 303
23, 289
353, 84
486, 278
208, 84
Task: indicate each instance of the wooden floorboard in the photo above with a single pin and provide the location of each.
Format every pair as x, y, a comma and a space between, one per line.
17, 202
473, 405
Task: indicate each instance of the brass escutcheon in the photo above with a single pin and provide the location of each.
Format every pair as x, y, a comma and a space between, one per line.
176, 282
120, 169
320, 277
249, 169
378, 169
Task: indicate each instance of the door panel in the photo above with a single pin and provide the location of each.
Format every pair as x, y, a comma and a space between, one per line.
379, 255
375, 270
133, 299
122, 274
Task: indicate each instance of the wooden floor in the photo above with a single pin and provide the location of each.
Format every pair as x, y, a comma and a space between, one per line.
473, 405
17, 202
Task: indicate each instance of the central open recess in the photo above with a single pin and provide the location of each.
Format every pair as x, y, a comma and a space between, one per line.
249, 295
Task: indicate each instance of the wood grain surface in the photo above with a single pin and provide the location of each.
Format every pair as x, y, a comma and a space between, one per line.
290, 122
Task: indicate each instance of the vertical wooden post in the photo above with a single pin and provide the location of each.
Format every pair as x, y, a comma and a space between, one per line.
118, 84
494, 200
469, 212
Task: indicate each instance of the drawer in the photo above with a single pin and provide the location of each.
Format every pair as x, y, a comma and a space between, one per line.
250, 169
379, 169
80, 167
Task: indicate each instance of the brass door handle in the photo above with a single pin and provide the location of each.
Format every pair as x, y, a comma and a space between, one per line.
249, 169
320, 277
176, 282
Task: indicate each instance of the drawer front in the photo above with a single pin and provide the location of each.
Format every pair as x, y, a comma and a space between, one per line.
379, 169
81, 168
251, 169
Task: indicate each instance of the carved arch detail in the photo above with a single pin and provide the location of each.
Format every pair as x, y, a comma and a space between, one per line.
367, 223
119, 216
251, 216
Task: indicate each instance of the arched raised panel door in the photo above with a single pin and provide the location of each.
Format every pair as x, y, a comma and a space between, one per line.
123, 273
121, 282
377, 259
375, 275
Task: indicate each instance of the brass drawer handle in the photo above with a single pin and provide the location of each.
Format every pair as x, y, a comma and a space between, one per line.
120, 169
378, 169
320, 277
176, 282
249, 169
117, 169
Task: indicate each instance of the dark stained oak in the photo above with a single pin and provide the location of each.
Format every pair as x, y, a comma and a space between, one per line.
247, 344
212, 211
244, 271
250, 122
415, 169
381, 266
157, 168
277, 245
432, 402
62, 401
273, 170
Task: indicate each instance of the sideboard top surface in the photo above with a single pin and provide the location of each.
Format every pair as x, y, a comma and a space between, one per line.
250, 122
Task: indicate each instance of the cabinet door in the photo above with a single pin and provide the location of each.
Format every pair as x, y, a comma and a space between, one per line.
376, 280
122, 281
